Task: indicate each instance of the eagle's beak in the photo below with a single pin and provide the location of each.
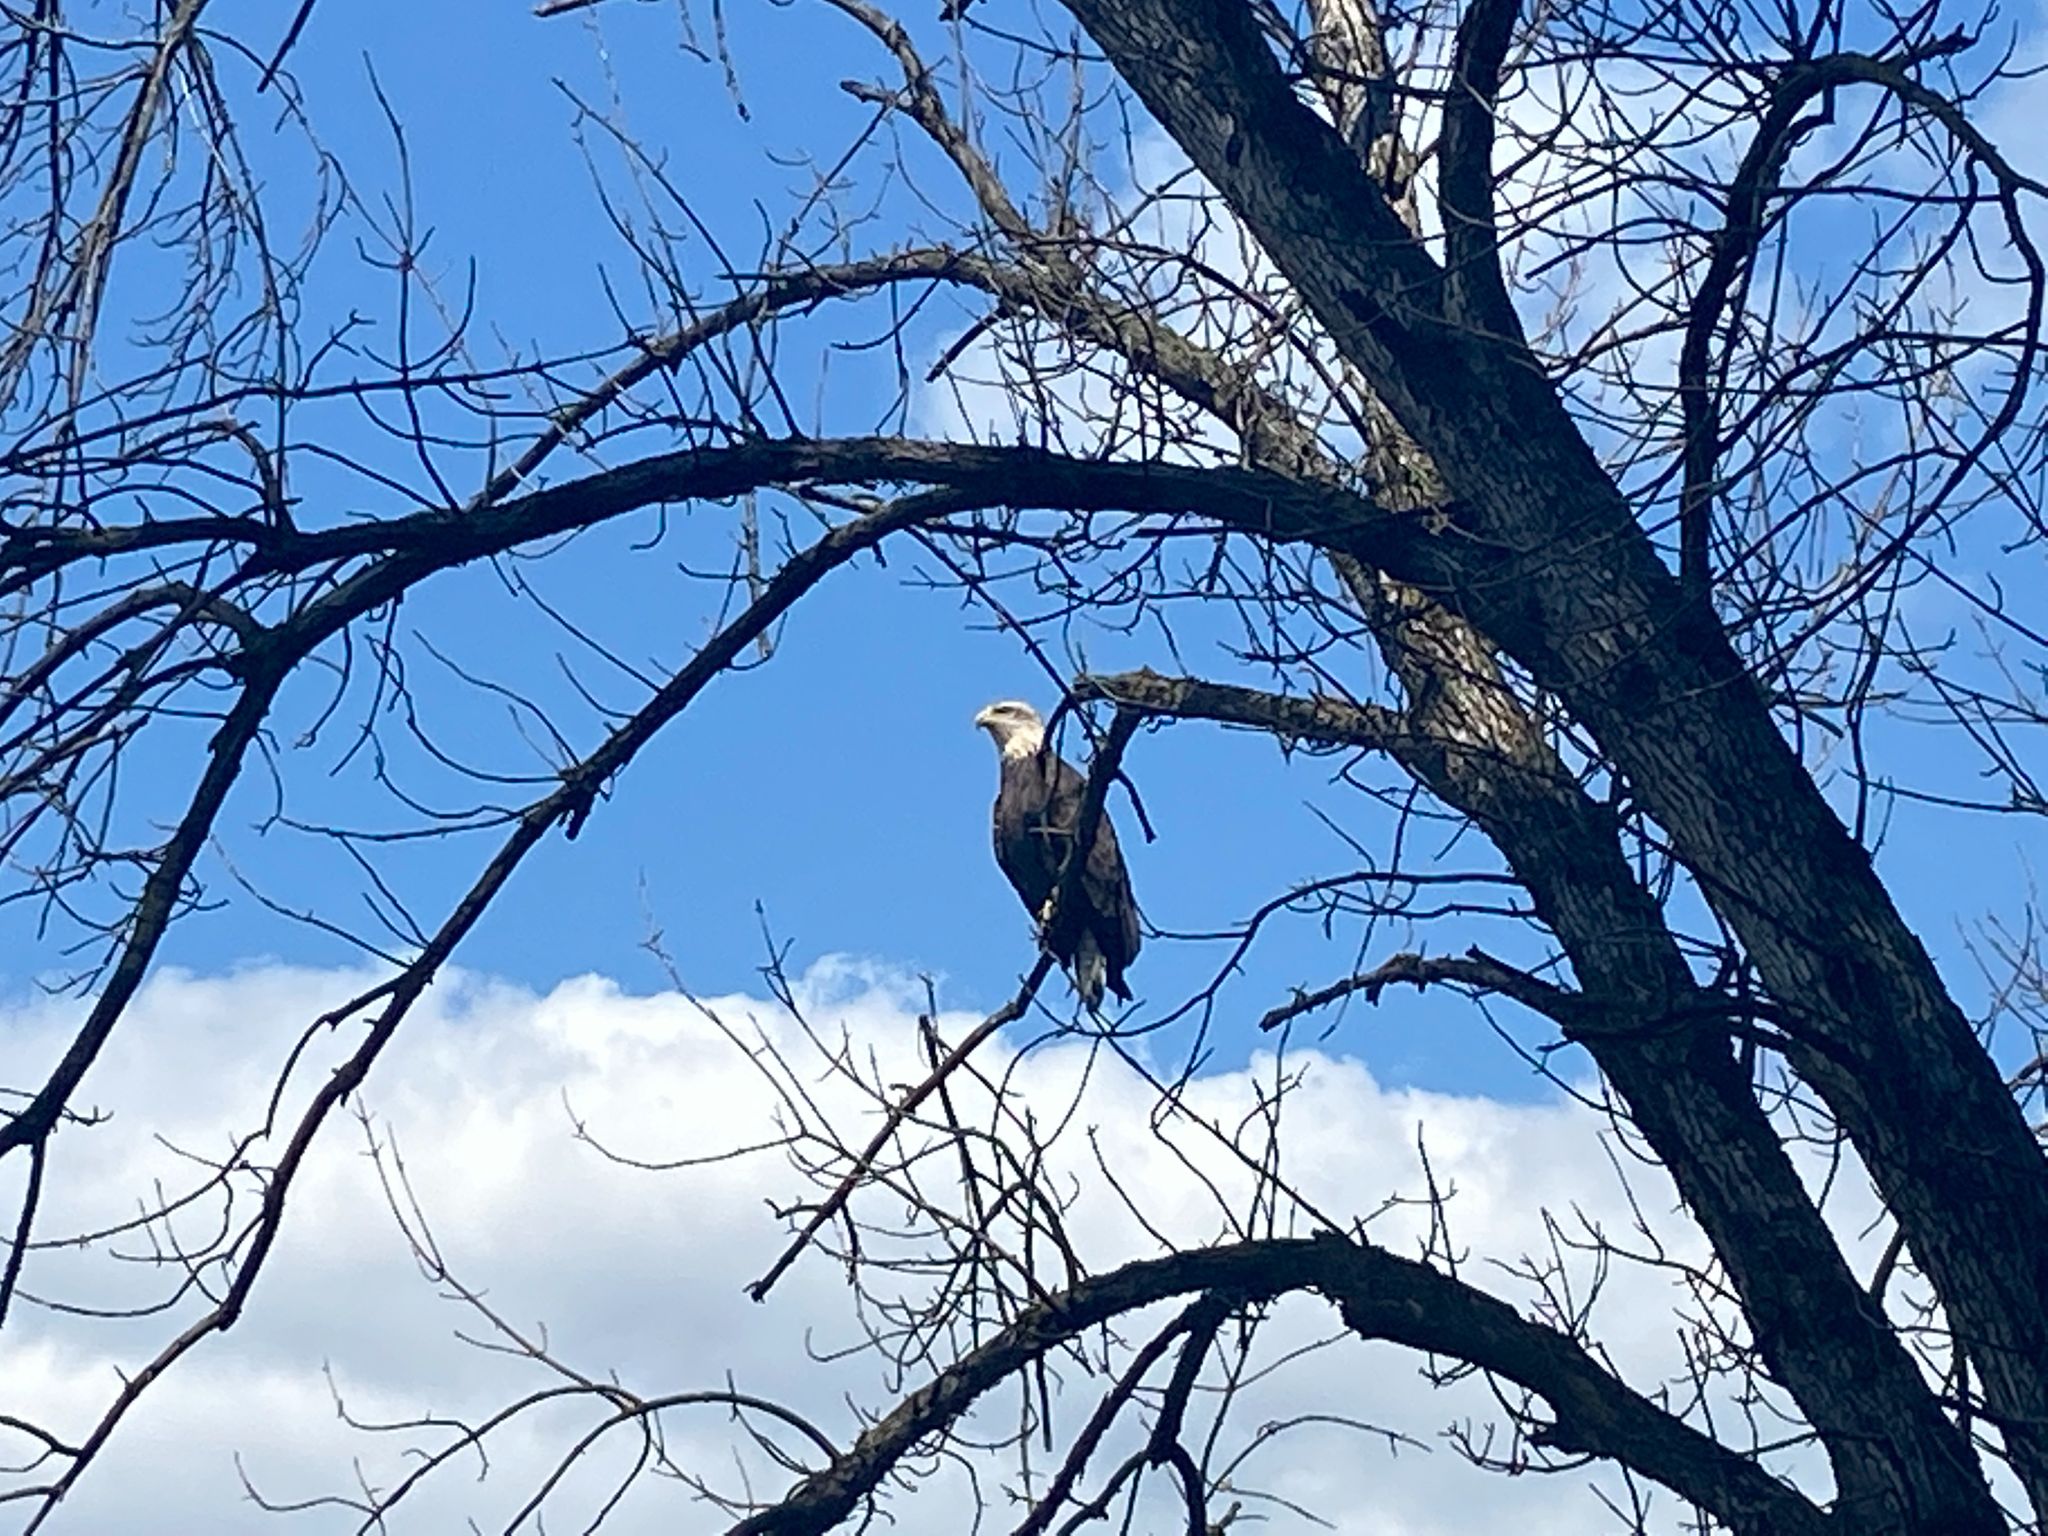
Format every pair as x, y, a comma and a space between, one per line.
983, 719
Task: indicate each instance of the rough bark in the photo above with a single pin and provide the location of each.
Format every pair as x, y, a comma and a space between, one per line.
1552, 566
1379, 1296
1900, 1465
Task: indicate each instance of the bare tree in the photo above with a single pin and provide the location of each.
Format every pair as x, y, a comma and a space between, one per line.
1541, 413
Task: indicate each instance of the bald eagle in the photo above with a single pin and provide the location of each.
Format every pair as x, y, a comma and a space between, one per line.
1038, 804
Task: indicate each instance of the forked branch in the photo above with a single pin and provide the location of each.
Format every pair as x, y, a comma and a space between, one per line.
1380, 1297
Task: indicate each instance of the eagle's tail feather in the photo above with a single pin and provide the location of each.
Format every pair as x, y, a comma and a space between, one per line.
1089, 972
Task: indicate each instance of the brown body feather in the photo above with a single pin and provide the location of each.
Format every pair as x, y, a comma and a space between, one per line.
1038, 806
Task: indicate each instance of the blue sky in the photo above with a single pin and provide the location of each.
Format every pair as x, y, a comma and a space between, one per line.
837, 795
839, 790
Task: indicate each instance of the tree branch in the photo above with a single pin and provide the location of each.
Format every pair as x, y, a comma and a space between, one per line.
1380, 1297
1659, 1036
1565, 1008
565, 806
1311, 717
1475, 287
1556, 570
892, 1122
1104, 768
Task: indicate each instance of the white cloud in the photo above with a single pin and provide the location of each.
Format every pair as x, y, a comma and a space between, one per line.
641, 1274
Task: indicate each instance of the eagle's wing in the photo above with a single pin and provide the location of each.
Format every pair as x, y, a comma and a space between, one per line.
1022, 848
1104, 881
1108, 885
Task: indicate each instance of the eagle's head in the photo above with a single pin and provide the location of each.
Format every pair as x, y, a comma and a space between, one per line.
1015, 726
